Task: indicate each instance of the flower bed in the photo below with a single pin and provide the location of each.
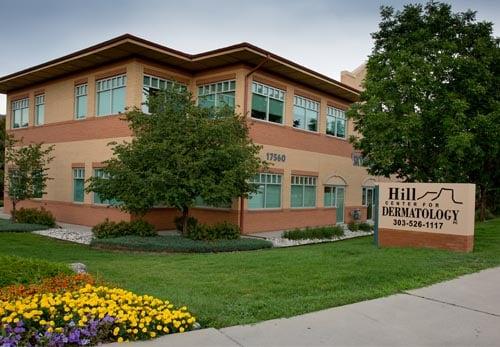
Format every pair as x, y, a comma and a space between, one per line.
88, 316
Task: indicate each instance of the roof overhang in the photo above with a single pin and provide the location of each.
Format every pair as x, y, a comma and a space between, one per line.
127, 46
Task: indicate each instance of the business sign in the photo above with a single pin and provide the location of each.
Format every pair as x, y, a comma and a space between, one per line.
426, 215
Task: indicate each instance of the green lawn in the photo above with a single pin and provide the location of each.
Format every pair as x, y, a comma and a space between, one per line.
233, 288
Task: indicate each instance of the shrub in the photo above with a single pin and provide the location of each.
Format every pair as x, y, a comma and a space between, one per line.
17, 270
21, 227
353, 226
365, 227
35, 216
89, 316
219, 231
328, 232
109, 229
177, 243
192, 223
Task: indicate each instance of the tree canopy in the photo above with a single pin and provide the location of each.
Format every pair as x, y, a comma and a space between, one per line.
430, 108
180, 152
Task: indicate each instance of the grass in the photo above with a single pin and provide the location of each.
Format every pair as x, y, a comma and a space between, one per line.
176, 243
18, 270
225, 289
7, 226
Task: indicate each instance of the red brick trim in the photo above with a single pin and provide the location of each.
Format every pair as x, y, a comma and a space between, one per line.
39, 91
81, 81
269, 82
307, 95
111, 73
19, 97
166, 75
404, 238
274, 170
77, 165
97, 165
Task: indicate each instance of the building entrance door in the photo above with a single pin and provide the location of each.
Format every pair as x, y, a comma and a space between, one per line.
340, 194
369, 201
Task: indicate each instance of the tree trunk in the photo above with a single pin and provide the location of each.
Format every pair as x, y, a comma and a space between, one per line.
185, 216
13, 217
482, 203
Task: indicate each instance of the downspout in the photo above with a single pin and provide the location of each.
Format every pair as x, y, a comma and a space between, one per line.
245, 111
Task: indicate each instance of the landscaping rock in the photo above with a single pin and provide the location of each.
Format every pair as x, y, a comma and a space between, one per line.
78, 236
78, 268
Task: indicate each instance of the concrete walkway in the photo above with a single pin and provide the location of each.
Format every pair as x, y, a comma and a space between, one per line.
461, 312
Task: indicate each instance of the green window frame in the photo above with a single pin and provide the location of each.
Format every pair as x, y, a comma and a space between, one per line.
217, 94
111, 95
81, 101
268, 103
268, 194
330, 196
78, 184
152, 84
303, 194
20, 113
336, 122
96, 199
40, 109
305, 113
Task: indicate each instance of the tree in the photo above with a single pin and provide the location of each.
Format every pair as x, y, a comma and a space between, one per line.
27, 170
179, 152
3, 137
430, 108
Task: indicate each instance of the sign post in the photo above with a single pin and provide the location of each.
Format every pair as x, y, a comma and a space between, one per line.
432, 215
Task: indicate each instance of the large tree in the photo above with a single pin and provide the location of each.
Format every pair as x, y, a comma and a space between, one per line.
179, 152
430, 108
27, 170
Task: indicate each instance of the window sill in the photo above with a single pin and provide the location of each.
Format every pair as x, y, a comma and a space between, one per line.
267, 122
306, 131
278, 209
303, 208
336, 137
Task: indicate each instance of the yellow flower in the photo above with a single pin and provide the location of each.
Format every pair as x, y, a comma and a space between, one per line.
120, 339
116, 331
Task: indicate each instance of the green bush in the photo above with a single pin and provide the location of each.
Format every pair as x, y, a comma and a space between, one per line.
21, 227
328, 232
17, 270
109, 229
365, 227
35, 216
219, 231
353, 226
192, 223
177, 243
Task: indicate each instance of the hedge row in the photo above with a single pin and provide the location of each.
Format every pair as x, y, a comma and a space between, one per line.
176, 243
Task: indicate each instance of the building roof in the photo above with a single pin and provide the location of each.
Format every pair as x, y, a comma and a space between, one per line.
127, 45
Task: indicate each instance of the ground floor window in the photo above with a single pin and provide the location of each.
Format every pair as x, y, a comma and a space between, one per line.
268, 194
97, 199
37, 184
368, 200
78, 184
334, 197
199, 202
303, 191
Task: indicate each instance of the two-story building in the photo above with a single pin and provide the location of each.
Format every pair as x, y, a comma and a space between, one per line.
296, 114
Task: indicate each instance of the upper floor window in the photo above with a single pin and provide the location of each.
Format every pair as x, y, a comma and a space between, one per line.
111, 95
305, 113
268, 103
20, 113
336, 122
217, 94
303, 191
80, 101
39, 109
268, 194
152, 84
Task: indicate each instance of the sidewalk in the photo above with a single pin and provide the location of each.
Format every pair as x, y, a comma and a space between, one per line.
460, 312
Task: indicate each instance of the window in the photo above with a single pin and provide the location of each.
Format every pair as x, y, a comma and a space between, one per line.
305, 113
20, 113
336, 122
330, 196
267, 103
357, 159
111, 95
152, 84
199, 202
268, 194
78, 184
39, 109
80, 101
217, 94
303, 191
37, 177
97, 199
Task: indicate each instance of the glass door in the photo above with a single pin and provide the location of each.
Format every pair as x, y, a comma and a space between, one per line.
340, 193
368, 200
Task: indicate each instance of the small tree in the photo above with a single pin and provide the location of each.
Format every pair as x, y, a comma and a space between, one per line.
3, 135
431, 107
180, 152
27, 170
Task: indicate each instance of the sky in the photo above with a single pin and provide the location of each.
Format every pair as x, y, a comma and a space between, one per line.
327, 36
